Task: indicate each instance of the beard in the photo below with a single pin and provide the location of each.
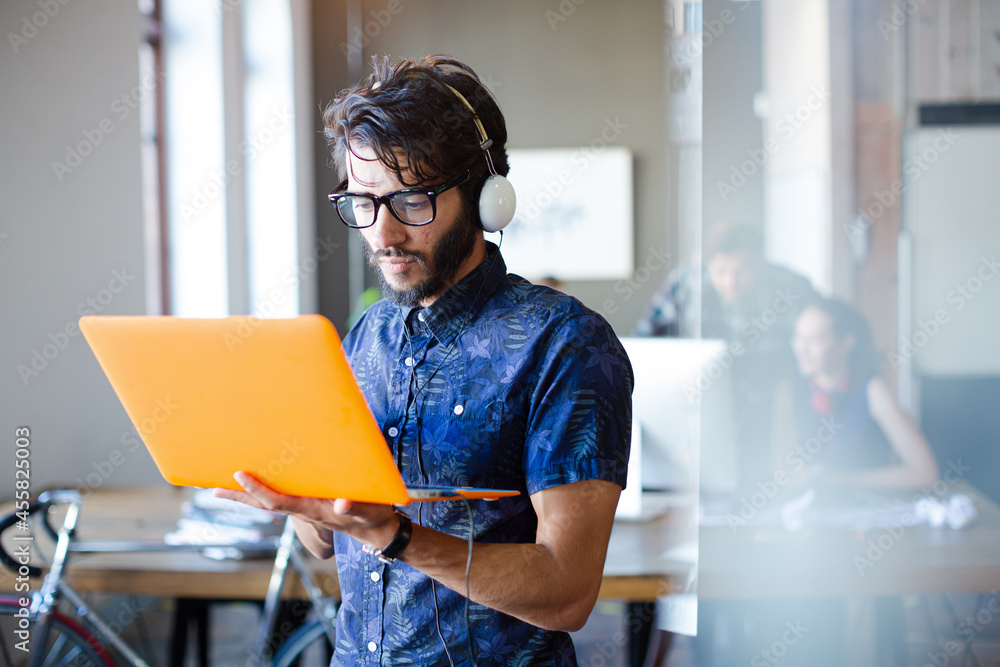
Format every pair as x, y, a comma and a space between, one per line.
446, 257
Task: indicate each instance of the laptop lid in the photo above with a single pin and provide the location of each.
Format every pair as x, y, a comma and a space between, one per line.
274, 397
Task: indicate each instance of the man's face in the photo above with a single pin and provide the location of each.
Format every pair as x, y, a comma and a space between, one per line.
732, 275
415, 264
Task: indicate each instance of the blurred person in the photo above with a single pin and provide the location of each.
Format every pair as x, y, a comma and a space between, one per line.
750, 303
838, 422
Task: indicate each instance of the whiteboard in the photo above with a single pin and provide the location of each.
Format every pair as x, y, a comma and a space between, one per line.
574, 218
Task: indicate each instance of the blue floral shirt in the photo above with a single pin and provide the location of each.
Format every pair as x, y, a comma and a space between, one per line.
502, 384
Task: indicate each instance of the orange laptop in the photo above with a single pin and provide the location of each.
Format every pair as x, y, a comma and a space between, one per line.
274, 397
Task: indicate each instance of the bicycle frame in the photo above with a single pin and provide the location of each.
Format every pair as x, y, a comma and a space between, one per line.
288, 550
45, 600
54, 587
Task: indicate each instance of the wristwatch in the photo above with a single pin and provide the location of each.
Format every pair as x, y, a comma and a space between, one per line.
400, 541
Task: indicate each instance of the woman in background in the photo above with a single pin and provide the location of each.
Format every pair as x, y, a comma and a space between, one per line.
839, 423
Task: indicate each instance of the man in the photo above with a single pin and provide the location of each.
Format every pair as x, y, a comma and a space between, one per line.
737, 289
738, 297
476, 378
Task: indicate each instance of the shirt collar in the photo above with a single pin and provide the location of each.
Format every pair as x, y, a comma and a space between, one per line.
452, 310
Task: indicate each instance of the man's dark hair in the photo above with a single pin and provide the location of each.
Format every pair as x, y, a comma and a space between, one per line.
418, 128
727, 238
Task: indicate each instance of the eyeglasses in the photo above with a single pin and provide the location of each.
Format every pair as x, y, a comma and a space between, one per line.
415, 206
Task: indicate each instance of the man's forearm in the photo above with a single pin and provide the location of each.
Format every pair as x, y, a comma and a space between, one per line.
551, 583
526, 581
522, 580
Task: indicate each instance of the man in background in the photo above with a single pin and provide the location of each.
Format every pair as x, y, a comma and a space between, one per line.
737, 296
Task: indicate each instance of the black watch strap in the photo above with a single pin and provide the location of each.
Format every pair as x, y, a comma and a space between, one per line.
399, 542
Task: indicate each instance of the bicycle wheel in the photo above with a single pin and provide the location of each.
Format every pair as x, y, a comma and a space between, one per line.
309, 645
67, 643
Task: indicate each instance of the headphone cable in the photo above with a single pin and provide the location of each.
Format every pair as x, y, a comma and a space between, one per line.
410, 403
468, 594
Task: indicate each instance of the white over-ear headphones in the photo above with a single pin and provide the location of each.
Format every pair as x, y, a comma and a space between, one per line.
497, 200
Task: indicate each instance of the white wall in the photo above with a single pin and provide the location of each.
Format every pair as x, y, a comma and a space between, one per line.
797, 135
733, 187
951, 212
62, 241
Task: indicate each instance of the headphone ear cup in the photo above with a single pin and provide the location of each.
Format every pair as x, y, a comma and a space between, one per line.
497, 202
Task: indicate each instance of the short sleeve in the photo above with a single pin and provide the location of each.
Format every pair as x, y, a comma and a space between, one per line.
580, 423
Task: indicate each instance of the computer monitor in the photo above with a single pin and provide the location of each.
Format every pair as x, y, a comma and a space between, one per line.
683, 405
683, 445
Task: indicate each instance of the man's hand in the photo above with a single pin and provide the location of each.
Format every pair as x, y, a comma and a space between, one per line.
366, 522
552, 583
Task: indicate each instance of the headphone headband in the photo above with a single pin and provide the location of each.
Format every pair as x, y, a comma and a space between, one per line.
484, 140
496, 197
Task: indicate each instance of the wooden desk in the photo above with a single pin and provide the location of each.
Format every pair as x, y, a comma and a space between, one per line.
147, 514
765, 572
634, 571
750, 563
830, 561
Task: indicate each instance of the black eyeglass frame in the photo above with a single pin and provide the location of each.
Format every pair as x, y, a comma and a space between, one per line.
386, 199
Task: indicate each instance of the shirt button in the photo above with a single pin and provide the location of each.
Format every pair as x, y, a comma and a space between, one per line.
459, 409
409, 361
420, 316
374, 576
372, 646
393, 431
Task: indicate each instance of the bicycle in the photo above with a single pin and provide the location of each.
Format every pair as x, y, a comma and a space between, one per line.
57, 638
